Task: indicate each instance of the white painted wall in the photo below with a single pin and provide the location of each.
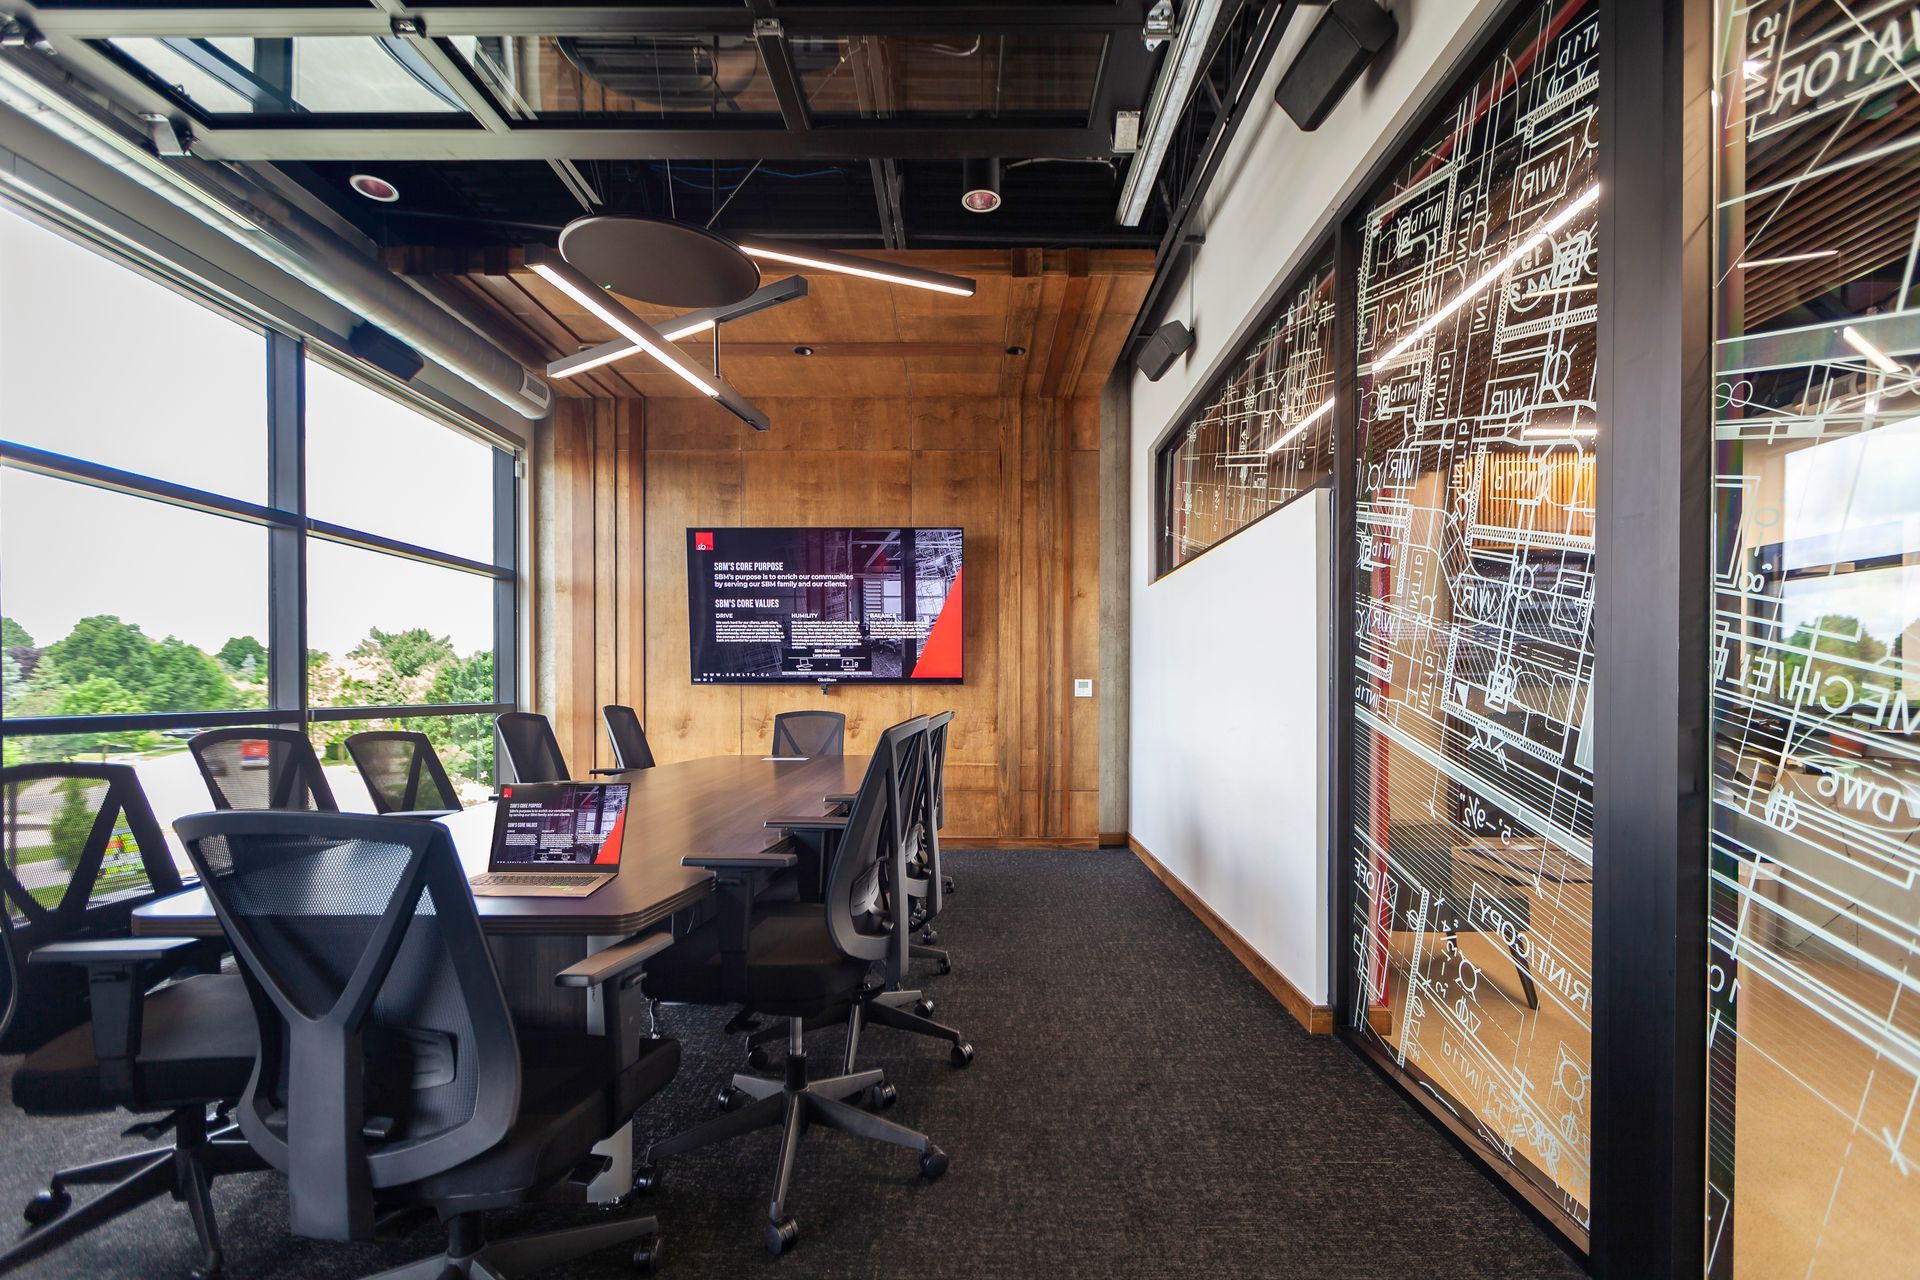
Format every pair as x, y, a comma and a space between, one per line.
1229, 653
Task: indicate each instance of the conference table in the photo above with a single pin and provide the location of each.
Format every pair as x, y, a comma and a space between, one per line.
715, 807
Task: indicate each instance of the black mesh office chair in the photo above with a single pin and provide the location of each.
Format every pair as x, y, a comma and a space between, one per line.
910, 896
391, 1072
628, 739
797, 960
402, 772
809, 733
261, 769
528, 751
87, 1006
927, 884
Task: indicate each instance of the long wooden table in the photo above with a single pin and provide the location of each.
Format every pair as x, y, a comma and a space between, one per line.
717, 806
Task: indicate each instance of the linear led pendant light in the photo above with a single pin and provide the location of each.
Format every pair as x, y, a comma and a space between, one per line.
556, 271
684, 326
848, 264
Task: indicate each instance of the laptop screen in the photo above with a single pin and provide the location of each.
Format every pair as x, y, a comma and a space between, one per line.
557, 825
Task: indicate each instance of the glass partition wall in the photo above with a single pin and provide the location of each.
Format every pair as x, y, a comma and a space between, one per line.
202, 523
1814, 978
1471, 781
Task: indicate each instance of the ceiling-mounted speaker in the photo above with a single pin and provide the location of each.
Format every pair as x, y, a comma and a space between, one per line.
1350, 35
1157, 354
384, 351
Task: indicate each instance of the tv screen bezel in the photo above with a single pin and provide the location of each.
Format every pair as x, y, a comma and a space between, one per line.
693, 677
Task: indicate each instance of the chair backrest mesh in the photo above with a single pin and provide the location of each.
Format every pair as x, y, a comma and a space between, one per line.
79, 849
377, 998
629, 740
262, 769
865, 854
528, 750
809, 733
937, 750
402, 771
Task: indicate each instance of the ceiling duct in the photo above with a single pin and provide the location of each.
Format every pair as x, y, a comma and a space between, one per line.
279, 233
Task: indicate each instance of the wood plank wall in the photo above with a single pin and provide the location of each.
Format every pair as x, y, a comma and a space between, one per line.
620, 481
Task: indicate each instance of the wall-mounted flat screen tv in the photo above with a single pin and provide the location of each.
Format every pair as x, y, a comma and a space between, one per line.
801, 606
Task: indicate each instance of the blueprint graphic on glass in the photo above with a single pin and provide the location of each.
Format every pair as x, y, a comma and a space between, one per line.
1474, 560
1814, 973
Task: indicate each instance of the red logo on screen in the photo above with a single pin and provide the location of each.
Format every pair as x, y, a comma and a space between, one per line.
703, 542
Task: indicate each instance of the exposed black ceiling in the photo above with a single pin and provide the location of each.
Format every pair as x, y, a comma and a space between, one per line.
842, 123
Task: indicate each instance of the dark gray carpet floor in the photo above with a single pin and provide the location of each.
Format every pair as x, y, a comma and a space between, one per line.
1140, 1106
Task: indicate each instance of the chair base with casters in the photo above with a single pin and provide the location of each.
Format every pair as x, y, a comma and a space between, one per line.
909, 1011
196, 1039
183, 1172
471, 1253
793, 1104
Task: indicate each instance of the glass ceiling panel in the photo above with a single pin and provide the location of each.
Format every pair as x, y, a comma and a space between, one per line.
722, 77
568, 78
1040, 73
239, 75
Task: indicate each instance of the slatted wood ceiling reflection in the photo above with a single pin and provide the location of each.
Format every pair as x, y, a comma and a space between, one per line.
920, 418
1845, 208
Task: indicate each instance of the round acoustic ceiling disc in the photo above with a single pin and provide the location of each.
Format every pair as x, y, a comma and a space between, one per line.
653, 260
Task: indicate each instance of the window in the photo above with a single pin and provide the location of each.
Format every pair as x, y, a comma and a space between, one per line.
156, 582
1813, 1048
1471, 775
1262, 435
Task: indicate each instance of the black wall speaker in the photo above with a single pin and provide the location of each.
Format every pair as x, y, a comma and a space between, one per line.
1350, 34
384, 351
1157, 354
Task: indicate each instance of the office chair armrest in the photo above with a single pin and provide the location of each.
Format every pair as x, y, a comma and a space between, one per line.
109, 951
613, 962
824, 822
842, 801
428, 814
772, 860
118, 973
607, 773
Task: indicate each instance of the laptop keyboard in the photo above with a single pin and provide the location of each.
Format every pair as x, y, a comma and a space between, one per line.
520, 881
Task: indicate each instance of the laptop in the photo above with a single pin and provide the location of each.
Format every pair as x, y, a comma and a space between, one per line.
554, 839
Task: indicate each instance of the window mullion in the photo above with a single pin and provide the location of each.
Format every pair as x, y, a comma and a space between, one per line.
286, 547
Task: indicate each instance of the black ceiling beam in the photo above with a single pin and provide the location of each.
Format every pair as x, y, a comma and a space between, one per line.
1124, 82
315, 139
886, 198
1244, 77
729, 17
771, 39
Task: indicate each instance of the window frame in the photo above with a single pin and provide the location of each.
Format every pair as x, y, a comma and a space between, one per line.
284, 517
1318, 251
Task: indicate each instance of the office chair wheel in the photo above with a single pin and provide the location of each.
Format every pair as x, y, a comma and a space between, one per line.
729, 1098
933, 1163
758, 1058
646, 1177
923, 1007
781, 1236
962, 1054
47, 1206
946, 967
929, 937
213, 1272
882, 1095
646, 1258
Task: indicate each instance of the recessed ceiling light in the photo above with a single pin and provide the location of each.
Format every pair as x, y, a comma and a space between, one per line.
374, 188
1016, 351
803, 351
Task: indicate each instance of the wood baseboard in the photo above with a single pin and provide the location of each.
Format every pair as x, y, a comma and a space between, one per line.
1113, 839
1017, 842
1316, 1018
